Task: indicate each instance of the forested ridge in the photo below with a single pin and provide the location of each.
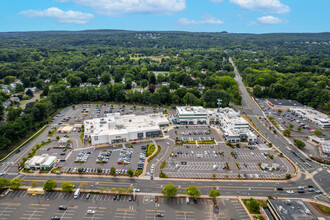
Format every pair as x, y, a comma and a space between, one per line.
159, 68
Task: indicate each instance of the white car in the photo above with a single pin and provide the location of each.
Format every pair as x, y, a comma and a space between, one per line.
90, 211
137, 190
290, 192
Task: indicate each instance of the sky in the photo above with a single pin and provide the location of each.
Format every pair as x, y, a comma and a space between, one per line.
235, 16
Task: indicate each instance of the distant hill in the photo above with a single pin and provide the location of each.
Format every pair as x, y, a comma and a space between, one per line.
160, 39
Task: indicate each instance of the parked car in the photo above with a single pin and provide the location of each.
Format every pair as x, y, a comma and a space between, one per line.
62, 207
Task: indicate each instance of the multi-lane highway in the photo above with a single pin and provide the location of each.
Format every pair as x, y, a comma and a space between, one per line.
253, 111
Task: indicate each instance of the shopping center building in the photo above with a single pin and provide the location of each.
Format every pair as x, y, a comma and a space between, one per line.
116, 128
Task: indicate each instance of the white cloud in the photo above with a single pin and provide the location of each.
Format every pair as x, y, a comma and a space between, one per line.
206, 20
216, 1
68, 17
118, 7
271, 20
268, 20
268, 6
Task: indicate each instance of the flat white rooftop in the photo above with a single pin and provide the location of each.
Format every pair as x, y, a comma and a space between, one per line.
313, 115
123, 124
191, 110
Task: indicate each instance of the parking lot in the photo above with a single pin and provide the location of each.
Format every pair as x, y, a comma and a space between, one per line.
285, 119
121, 157
82, 112
103, 206
200, 152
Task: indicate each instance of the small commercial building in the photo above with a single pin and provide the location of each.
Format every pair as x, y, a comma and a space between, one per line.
233, 126
322, 143
282, 209
37, 190
282, 104
66, 129
44, 162
312, 115
191, 115
116, 128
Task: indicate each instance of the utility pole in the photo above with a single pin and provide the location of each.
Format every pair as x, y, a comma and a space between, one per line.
219, 102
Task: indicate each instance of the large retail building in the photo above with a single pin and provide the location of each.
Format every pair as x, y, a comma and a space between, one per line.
116, 128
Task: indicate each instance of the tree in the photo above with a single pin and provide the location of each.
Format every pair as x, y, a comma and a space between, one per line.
253, 204
50, 185
299, 143
39, 83
169, 191
112, 171
73, 106
287, 132
4, 182
80, 170
101, 189
29, 93
14, 113
105, 78
214, 194
130, 172
34, 184
9, 79
67, 187
192, 191
279, 111
211, 96
16, 183
83, 186
291, 126
318, 133
299, 129
120, 190
74, 80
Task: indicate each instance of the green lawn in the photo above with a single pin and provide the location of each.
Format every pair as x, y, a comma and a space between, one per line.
323, 208
150, 150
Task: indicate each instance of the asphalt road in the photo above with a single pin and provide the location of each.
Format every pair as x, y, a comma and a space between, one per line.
278, 140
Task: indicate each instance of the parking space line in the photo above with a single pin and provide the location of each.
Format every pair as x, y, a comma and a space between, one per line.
33, 204
128, 210
97, 208
10, 204
155, 210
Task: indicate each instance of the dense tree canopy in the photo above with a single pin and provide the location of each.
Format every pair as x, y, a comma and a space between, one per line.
160, 68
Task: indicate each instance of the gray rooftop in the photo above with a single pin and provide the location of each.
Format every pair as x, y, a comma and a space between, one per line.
292, 209
284, 102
